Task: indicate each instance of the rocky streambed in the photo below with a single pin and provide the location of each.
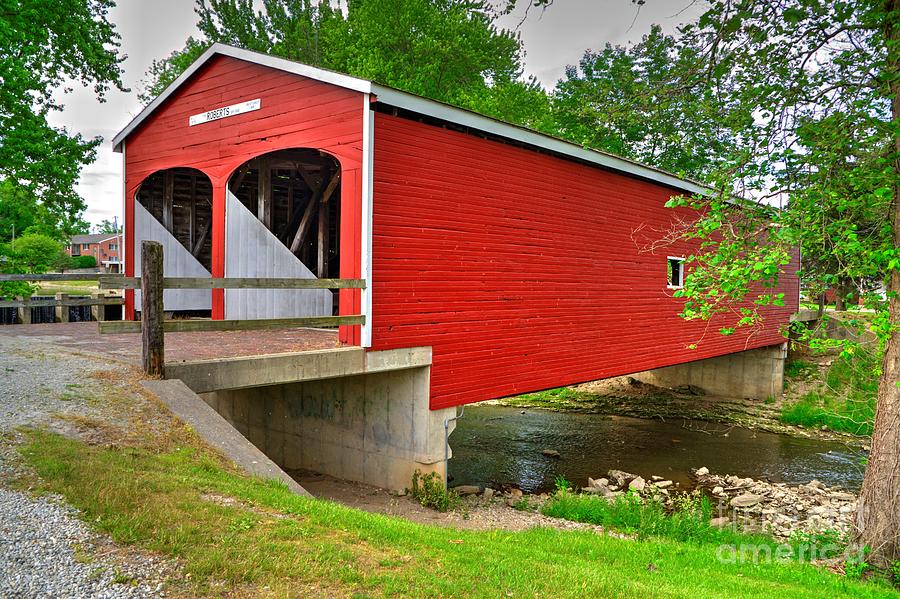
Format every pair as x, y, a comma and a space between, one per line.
779, 509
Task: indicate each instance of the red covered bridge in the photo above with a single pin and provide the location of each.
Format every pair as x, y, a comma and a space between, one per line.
523, 262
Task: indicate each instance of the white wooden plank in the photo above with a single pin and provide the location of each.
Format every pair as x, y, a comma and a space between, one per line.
367, 211
251, 250
177, 262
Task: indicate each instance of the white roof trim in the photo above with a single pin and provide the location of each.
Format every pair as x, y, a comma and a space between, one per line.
420, 105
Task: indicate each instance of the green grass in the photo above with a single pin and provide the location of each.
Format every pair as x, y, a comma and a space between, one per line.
846, 400
70, 287
271, 542
798, 368
814, 306
630, 514
562, 397
44, 288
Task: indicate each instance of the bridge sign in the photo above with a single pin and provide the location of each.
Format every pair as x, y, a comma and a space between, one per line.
225, 111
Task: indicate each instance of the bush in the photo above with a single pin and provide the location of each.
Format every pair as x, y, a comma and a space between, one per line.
856, 566
14, 289
84, 262
429, 490
8, 266
36, 253
846, 402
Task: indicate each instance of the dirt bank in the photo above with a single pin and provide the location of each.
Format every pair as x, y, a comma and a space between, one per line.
477, 511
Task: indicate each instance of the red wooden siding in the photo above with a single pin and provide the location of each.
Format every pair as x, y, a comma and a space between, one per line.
521, 270
295, 112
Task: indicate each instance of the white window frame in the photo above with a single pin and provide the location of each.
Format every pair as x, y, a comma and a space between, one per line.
680, 260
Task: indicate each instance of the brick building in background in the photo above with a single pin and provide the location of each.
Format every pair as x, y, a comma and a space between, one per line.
104, 247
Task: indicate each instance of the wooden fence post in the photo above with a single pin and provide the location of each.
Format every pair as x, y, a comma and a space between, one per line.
152, 315
24, 311
62, 312
98, 311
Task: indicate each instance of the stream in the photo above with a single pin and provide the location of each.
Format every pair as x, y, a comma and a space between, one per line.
499, 446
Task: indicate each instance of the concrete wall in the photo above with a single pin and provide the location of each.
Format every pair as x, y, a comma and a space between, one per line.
373, 428
212, 428
755, 373
837, 326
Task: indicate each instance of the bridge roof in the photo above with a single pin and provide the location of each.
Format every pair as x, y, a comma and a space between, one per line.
426, 107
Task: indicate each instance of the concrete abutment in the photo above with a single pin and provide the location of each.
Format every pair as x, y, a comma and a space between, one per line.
373, 427
754, 373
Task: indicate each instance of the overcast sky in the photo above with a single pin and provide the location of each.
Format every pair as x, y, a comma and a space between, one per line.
553, 38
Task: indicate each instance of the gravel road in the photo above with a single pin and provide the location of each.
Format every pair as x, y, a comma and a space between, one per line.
45, 549
36, 380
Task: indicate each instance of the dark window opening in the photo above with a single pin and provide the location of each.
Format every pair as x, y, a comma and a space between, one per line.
675, 272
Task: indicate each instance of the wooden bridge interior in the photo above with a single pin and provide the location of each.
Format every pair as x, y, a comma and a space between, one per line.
296, 195
181, 199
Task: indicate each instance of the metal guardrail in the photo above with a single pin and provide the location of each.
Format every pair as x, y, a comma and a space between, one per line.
75, 276
62, 301
22, 302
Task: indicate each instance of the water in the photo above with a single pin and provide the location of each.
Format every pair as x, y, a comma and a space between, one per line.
497, 446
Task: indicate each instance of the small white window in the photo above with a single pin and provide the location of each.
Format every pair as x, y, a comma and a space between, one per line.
675, 272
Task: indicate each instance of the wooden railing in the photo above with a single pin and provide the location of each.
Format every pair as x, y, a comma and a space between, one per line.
153, 324
55, 276
62, 301
120, 282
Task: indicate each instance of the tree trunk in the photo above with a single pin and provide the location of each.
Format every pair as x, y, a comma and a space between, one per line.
839, 305
878, 516
844, 293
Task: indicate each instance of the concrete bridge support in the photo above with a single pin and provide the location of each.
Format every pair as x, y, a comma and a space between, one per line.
755, 373
375, 427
